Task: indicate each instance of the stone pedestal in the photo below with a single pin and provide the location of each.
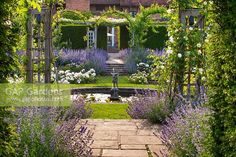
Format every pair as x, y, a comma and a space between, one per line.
115, 94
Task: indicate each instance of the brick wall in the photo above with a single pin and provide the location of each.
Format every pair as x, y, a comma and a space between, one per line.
82, 5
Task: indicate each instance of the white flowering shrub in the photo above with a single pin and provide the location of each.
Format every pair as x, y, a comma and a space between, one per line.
15, 79
141, 77
143, 67
69, 77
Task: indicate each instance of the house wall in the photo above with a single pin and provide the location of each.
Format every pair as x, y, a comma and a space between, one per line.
94, 5
82, 5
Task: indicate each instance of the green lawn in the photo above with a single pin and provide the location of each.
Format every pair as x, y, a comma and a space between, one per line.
109, 111
106, 81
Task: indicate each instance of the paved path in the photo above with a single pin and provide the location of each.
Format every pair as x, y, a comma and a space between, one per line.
114, 58
124, 138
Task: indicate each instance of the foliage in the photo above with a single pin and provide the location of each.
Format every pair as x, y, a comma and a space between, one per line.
156, 39
8, 62
152, 106
184, 53
75, 15
187, 132
8, 137
102, 37
88, 59
73, 37
138, 25
221, 65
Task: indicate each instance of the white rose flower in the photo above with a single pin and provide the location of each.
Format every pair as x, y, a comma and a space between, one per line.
199, 51
179, 55
201, 70
78, 81
169, 11
61, 72
199, 45
171, 39
66, 82
67, 71
169, 51
203, 78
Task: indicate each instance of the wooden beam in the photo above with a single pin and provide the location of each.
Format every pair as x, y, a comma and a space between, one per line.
29, 64
48, 44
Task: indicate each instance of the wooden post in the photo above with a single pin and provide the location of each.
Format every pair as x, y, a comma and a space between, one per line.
39, 52
48, 44
95, 37
29, 65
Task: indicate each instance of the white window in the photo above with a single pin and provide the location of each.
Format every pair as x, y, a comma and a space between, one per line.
111, 37
91, 39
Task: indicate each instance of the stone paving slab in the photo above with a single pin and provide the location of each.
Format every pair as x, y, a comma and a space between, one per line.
124, 153
133, 147
96, 152
105, 135
105, 144
124, 138
156, 150
130, 140
116, 127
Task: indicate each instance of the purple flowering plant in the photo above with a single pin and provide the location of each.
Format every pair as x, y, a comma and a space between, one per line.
152, 106
187, 131
41, 131
84, 58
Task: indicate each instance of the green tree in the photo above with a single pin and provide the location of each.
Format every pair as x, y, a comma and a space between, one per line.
8, 63
222, 76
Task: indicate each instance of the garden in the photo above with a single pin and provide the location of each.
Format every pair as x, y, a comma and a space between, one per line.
173, 79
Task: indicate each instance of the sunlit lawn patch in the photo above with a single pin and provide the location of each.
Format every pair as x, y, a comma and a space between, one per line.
110, 111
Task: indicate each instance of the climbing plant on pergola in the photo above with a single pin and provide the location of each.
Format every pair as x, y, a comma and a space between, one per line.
138, 25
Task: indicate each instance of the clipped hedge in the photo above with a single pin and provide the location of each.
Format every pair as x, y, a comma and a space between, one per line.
222, 77
102, 37
156, 40
74, 36
124, 37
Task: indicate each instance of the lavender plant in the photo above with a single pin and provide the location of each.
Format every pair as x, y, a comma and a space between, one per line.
75, 140
35, 129
78, 109
187, 132
88, 58
40, 133
151, 106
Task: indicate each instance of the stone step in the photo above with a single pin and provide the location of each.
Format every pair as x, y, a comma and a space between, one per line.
119, 68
